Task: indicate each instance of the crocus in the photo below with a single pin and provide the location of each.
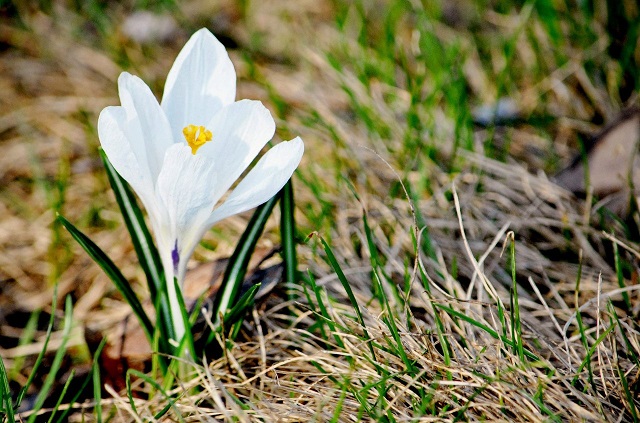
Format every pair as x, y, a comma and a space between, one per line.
182, 155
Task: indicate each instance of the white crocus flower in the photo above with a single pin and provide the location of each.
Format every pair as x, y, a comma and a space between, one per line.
183, 155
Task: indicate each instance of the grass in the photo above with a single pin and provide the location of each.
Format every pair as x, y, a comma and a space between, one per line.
447, 277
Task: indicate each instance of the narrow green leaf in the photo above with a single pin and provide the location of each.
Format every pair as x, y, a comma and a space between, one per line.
235, 330
114, 274
188, 333
145, 250
140, 236
245, 302
390, 321
235, 315
239, 261
288, 232
164, 325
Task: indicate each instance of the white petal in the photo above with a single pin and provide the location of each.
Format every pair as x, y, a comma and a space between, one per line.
201, 81
263, 181
240, 130
146, 124
118, 148
185, 190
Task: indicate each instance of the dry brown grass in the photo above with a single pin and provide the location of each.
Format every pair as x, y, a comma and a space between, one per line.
54, 83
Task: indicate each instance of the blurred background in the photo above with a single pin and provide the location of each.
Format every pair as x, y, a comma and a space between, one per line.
483, 93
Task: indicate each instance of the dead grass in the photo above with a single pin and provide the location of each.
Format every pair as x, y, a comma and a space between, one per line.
466, 206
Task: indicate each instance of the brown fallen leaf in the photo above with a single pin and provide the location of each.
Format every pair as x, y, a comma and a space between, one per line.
206, 278
613, 164
126, 348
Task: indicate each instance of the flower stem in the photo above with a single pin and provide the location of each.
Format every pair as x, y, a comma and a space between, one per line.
175, 310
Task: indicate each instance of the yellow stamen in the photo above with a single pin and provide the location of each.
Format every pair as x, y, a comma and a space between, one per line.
196, 136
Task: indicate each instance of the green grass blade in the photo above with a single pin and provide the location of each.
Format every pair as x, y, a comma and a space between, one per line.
333, 262
390, 319
239, 261
26, 337
337, 413
114, 274
487, 329
375, 265
97, 384
288, 233
552, 416
620, 276
627, 342
310, 282
56, 363
6, 404
460, 415
581, 328
516, 324
95, 368
592, 350
40, 357
630, 397
585, 344
129, 392
62, 394
326, 320
440, 330
157, 387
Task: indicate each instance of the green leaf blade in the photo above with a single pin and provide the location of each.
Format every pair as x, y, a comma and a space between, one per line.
288, 232
239, 261
107, 265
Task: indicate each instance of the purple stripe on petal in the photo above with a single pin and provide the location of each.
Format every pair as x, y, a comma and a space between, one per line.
175, 256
